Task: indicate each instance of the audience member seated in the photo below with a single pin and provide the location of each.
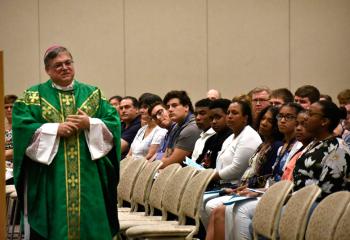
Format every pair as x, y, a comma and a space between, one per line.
185, 133
344, 97
327, 159
129, 115
306, 95
346, 125
281, 96
160, 115
141, 97
202, 117
8, 105
218, 113
149, 136
115, 101
286, 124
303, 136
213, 94
342, 130
233, 158
325, 97
260, 97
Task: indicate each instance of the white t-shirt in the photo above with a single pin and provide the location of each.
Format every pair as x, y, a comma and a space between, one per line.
199, 145
140, 145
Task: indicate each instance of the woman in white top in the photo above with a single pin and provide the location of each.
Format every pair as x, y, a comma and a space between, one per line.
150, 135
233, 159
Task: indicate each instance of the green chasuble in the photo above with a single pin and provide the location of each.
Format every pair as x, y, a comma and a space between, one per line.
74, 197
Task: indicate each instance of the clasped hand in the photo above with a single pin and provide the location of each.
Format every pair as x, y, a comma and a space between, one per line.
73, 124
241, 191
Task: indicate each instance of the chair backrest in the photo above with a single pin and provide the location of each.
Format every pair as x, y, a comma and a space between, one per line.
124, 163
325, 217
174, 190
193, 195
295, 214
158, 187
128, 179
342, 231
268, 210
143, 184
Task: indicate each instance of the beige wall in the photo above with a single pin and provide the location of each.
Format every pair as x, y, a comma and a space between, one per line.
320, 44
132, 46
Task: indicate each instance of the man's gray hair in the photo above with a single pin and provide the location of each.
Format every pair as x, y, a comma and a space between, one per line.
260, 89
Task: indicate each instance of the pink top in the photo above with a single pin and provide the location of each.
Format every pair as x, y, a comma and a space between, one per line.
288, 172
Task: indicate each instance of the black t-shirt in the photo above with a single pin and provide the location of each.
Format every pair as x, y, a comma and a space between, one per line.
211, 148
128, 134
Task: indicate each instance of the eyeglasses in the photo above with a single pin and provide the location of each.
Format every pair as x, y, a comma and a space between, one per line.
288, 118
259, 100
60, 65
158, 114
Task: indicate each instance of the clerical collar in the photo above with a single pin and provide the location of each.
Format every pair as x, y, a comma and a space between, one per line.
66, 88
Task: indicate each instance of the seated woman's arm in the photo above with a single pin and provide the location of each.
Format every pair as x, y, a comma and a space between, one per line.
152, 151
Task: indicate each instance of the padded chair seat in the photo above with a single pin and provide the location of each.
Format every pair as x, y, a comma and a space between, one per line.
10, 189
125, 214
130, 217
124, 209
13, 194
165, 230
124, 225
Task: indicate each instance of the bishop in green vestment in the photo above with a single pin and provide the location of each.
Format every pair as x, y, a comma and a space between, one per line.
66, 156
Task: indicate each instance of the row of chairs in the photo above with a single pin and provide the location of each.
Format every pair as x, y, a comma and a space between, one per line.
176, 193
329, 220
